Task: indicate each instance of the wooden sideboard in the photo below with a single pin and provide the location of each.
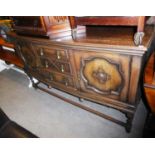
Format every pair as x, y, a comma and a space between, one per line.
104, 66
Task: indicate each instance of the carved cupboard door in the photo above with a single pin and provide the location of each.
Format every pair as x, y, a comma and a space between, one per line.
103, 73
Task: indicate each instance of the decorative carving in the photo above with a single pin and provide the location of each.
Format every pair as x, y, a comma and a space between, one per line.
57, 19
47, 63
55, 65
102, 76
138, 38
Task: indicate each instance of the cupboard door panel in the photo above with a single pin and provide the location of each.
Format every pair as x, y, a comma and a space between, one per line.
103, 74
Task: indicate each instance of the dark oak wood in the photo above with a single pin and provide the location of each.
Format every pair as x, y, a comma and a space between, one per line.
51, 26
102, 68
108, 20
137, 21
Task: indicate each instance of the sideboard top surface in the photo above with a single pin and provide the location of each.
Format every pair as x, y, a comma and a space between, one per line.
102, 37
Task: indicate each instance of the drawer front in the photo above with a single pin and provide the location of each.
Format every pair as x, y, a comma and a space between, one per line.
52, 77
103, 74
52, 65
52, 53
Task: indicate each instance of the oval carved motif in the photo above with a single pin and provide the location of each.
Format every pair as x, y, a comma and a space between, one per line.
102, 76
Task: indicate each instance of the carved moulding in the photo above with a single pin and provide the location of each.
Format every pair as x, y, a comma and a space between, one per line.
102, 75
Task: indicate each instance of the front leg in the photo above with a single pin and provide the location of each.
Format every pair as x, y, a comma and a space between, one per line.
129, 122
32, 81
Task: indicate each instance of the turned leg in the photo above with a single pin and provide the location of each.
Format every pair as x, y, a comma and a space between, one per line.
33, 82
128, 122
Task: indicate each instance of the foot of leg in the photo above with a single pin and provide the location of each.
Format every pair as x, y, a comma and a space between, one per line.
129, 122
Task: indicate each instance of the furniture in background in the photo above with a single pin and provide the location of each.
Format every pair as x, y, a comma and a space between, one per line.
7, 52
137, 21
10, 129
149, 83
49, 26
149, 95
102, 66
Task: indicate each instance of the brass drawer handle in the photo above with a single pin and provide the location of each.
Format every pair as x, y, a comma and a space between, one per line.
46, 64
58, 55
66, 82
41, 52
62, 68
51, 77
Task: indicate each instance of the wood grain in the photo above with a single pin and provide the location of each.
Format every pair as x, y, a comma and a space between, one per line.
103, 53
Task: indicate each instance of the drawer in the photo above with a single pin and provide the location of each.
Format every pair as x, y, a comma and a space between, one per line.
65, 80
52, 53
52, 77
52, 65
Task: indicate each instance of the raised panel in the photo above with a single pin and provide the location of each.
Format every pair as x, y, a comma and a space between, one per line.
103, 73
102, 76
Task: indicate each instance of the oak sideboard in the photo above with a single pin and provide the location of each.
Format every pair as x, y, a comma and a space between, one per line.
103, 66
